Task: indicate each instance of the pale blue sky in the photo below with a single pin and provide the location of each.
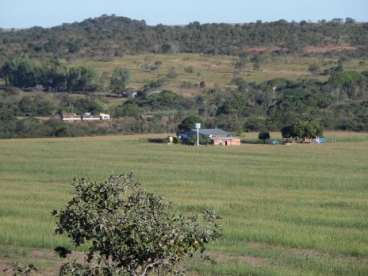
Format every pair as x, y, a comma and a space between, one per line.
27, 13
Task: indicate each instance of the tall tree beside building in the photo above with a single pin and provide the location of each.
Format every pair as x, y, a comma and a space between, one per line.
120, 79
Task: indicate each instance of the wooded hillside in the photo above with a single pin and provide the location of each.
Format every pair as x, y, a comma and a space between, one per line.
109, 36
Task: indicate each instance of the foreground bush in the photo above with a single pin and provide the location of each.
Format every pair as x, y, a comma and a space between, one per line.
129, 231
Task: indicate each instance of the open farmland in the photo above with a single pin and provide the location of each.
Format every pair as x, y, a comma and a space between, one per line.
287, 210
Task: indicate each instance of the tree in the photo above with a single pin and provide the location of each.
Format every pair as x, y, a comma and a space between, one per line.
264, 135
127, 230
38, 105
302, 130
81, 79
127, 109
119, 80
7, 120
188, 123
311, 129
164, 100
54, 75
20, 72
287, 131
30, 127
87, 104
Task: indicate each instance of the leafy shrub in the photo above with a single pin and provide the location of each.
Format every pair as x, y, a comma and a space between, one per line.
189, 69
302, 130
120, 79
172, 74
127, 109
128, 230
264, 135
189, 123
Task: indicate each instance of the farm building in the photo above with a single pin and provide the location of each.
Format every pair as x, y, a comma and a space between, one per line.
70, 117
105, 117
216, 135
90, 117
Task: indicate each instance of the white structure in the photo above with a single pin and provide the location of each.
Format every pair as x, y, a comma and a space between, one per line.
89, 117
105, 117
101, 117
70, 117
197, 126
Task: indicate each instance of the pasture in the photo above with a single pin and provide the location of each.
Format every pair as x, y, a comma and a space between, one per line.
214, 70
287, 210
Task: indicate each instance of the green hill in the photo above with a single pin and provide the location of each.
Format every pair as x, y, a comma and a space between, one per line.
111, 36
240, 77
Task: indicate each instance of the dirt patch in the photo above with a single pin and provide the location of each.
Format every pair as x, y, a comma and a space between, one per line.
46, 261
250, 260
261, 50
43, 254
304, 252
328, 48
5, 268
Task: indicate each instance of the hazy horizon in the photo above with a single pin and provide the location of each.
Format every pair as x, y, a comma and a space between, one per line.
20, 14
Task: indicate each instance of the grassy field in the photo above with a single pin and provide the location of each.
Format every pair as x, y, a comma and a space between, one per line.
215, 70
287, 210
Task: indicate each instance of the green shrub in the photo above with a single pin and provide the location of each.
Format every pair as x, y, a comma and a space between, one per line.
129, 231
264, 135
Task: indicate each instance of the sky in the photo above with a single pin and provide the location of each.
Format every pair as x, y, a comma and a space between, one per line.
47, 13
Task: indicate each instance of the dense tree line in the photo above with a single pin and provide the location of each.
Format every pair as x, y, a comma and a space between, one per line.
44, 104
55, 76
339, 103
109, 36
23, 72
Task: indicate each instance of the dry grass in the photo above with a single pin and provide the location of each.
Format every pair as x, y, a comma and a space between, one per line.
215, 70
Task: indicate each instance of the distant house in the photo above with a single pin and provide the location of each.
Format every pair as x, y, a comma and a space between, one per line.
90, 117
70, 117
216, 135
105, 117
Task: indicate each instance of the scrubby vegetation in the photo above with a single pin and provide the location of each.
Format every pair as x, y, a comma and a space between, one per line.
111, 36
340, 102
274, 75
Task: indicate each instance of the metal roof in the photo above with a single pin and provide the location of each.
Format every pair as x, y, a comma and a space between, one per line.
213, 132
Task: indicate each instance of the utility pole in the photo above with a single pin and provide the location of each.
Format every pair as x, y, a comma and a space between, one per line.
197, 126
